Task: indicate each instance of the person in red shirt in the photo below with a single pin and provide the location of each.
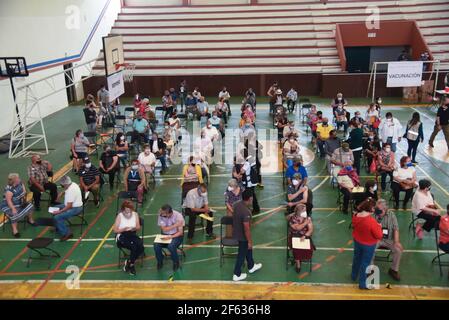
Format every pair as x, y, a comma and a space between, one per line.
367, 233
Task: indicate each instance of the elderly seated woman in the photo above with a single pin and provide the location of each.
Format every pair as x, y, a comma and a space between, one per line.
300, 226
297, 193
135, 180
424, 209
404, 179
347, 180
14, 204
290, 150
192, 175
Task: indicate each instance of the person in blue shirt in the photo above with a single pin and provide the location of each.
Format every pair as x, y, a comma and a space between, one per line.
190, 104
297, 167
141, 130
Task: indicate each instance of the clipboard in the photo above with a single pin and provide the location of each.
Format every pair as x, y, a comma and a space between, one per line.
298, 244
159, 239
53, 209
206, 217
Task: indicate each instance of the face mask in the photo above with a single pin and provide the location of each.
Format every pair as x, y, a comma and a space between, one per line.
135, 167
409, 164
339, 99
371, 137
214, 117
349, 168
324, 123
88, 165
230, 189
166, 127
379, 101
377, 211
204, 194
209, 126
387, 150
303, 214
295, 182
147, 152
39, 161
375, 188
81, 135
122, 138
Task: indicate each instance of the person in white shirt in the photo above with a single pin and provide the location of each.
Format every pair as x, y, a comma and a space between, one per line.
292, 98
211, 131
226, 96
425, 209
404, 179
73, 206
147, 160
217, 123
290, 130
202, 108
196, 93
203, 148
390, 130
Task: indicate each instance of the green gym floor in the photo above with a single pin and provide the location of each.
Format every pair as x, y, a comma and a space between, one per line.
95, 255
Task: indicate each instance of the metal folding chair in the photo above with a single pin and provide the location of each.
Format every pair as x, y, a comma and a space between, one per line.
226, 241
41, 246
437, 258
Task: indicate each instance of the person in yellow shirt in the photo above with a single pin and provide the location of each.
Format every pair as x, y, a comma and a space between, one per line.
323, 130
192, 176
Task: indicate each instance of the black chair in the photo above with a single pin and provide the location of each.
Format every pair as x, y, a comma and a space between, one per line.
120, 123
124, 253
81, 217
6, 221
226, 241
41, 246
437, 258
181, 253
290, 259
384, 257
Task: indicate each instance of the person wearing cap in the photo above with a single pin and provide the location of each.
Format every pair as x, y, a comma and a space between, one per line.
90, 180
73, 206
297, 167
424, 208
341, 156
322, 131
297, 192
390, 239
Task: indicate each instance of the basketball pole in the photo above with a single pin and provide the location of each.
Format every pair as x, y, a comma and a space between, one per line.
15, 102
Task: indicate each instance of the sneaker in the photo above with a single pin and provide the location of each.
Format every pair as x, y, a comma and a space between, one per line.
132, 270
256, 267
66, 237
420, 233
394, 274
126, 266
239, 278
431, 145
97, 204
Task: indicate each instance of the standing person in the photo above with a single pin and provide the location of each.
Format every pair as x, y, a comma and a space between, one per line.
367, 233
90, 115
390, 240
182, 93
249, 180
414, 134
390, 131
232, 194
271, 93
167, 104
441, 123
241, 231
103, 98
226, 97
126, 225
292, 98
356, 143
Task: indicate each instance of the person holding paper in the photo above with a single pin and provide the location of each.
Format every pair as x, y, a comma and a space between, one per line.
172, 225
300, 226
90, 180
126, 224
241, 231
195, 204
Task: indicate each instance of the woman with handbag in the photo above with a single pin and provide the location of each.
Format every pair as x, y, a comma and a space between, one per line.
414, 134
14, 205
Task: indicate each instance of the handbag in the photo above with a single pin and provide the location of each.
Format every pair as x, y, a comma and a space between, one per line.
373, 166
376, 123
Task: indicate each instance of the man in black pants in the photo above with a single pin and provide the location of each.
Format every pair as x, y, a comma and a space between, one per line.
241, 231
195, 204
109, 164
38, 173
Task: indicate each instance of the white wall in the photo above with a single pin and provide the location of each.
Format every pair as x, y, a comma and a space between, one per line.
153, 2
38, 30
217, 2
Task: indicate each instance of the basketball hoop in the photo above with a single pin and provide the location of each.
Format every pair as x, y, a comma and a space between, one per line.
128, 70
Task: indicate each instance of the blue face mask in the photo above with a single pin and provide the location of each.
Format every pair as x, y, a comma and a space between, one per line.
409, 164
349, 168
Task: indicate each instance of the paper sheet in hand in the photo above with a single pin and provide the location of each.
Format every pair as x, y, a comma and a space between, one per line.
86, 195
206, 217
298, 244
53, 209
159, 239
358, 189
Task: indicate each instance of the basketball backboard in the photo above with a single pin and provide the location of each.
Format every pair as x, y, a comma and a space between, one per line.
113, 54
13, 67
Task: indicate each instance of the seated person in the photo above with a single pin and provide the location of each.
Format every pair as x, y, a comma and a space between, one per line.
443, 242
126, 225
158, 147
390, 240
168, 104
341, 156
109, 164
247, 127
290, 130
217, 123
190, 104
371, 148
339, 99
211, 131
122, 148
169, 136
141, 129
172, 225
202, 107
424, 208
280, 123
204, 147
330, 145
14, 204
300, 226
290, 150
38, 174
297, 167
297, 193
147, 161
192, 176
196, 203
404, 179
90, 180
347, 180
315, 117
385, 164
134, 179
358, 118
322, 134
73, 206
79, 148
340, 118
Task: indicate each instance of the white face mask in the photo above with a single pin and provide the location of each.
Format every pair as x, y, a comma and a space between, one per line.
295, 182
88, 165
147, 152
375, 188
166, 127
135, 167
387, 150
122, 138
303, 214
230, 189
204, 194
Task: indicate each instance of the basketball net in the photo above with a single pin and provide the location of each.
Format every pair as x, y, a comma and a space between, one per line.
128, 70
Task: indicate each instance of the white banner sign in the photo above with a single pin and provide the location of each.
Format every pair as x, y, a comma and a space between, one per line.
116, 85
404, 74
